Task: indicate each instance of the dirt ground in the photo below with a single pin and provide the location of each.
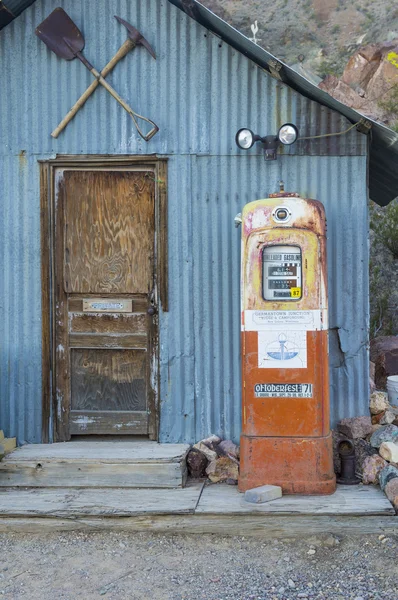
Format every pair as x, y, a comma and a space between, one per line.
202, 567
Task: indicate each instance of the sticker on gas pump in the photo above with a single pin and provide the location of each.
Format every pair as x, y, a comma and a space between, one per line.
283, 390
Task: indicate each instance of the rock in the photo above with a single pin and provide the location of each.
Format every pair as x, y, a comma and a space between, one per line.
363, 450
377, 418
372, 369
197, 462
337, 438
223, 468
264, 493
372, 385
211, 442
378, 402
389, 451
227, 447
210, 454
372, 465
231, 481
391, 491
386, 474
387, 418
387, 433
355, 427
384, 353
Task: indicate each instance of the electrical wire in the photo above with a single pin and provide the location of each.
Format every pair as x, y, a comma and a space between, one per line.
314, 137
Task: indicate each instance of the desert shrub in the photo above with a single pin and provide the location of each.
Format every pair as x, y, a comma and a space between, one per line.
384, 223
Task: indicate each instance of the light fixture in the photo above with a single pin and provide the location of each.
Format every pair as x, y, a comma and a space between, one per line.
287, 135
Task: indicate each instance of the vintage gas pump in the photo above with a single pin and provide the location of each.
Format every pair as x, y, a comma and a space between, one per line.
286, 437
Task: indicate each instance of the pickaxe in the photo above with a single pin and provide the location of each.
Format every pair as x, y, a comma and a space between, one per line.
135, 38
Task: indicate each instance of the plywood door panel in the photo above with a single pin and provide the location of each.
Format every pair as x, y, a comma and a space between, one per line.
108, 232
108, 380
104, 242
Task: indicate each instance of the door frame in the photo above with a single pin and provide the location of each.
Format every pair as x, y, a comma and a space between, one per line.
53, 417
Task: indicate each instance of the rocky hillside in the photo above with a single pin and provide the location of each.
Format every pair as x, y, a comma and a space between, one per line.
319, 34
319, 37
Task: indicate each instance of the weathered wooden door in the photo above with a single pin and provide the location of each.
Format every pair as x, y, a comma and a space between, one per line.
105, 301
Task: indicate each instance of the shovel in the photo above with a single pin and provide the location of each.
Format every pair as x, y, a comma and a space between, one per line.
62, 36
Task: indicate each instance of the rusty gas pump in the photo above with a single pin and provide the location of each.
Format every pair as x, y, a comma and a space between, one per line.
286, 438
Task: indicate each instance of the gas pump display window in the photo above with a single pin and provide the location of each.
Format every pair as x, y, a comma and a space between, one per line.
282, 273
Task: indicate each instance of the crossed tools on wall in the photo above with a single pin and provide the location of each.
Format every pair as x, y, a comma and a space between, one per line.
63, 37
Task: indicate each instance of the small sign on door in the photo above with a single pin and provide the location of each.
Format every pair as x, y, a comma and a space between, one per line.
107, 305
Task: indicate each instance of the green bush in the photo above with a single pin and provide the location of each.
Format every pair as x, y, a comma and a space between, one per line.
384, 223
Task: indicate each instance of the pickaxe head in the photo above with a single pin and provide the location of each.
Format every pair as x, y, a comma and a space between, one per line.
135, 36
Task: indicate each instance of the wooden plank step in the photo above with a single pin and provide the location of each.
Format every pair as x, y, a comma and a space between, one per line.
7, 445
76, 503
353, 500
96, 464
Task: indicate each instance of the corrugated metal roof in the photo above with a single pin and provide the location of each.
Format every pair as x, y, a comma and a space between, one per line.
383, 171
9, 9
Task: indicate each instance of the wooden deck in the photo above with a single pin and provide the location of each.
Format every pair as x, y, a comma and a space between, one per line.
196, 509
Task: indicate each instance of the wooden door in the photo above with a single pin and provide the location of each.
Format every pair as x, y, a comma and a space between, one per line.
105, 301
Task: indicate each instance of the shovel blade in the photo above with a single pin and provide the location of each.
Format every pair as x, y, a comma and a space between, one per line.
60, 34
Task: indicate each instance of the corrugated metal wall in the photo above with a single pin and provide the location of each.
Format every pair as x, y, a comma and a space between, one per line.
200, 92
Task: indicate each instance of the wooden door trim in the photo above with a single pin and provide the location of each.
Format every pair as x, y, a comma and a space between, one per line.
51, 422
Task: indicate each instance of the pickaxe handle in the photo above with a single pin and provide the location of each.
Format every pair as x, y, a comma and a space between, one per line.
121, 53
99, 79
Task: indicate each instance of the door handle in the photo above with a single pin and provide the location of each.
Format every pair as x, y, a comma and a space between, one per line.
151, 310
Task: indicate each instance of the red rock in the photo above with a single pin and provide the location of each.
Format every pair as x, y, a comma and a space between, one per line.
197, 463
384, 353
355, 427
372, 465
391, 491
377, 418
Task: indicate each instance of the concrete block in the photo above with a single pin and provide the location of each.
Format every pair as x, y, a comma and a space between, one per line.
264, 493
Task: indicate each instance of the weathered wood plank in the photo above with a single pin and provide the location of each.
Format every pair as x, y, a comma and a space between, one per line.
109, 381
108, 422
91, 474
350, 500
72, 503
108, 323
109, 451
259, 526
119, 341
46, 296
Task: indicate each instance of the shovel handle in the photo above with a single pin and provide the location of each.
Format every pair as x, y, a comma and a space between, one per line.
126, 107
121, 53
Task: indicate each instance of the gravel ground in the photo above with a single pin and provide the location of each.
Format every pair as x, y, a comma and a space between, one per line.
202, 567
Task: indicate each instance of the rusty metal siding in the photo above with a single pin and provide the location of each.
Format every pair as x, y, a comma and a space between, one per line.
199, 91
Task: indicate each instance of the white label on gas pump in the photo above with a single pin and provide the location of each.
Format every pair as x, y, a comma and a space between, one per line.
283, 390
282, 349
306, 320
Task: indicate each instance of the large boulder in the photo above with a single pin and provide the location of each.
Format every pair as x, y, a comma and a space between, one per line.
355, 427
387, 474
367, 81
378, 402
384, 353
197, 463
372, 466
388, 433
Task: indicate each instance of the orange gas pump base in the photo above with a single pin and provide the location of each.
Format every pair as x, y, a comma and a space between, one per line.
297, 465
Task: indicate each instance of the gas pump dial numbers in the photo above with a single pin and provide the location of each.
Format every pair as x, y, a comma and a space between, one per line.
282, 273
